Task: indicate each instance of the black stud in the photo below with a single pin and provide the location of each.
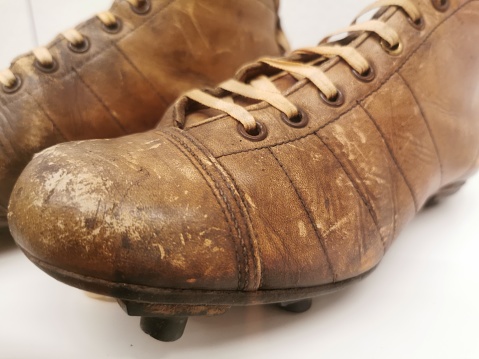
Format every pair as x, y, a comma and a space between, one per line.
164, 329
297, 307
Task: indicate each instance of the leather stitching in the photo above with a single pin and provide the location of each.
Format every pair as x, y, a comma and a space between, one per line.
310, 216
358, 192
352, 107
433, 139
226, 203
239, 203
255, 235
110, 44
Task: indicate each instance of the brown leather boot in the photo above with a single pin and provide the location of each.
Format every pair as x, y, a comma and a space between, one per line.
286, 183
117, 73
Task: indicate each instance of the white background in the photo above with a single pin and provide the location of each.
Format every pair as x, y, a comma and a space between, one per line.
422, 301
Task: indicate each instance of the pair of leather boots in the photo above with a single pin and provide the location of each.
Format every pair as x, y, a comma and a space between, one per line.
285, 182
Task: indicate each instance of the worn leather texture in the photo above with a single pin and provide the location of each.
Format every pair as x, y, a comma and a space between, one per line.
204, 208
125, 81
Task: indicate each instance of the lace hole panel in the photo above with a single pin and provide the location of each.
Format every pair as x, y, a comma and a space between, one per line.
82, 47
419, 24
367, 76
143, 8
337, 101
258, 134
15, 87
441, 5
394, 50
113, 28
47, 68
299, 121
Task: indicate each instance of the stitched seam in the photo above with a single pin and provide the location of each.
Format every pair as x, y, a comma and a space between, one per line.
110, 44
358, 192
310, 216
236, 199
247, 205
392, 156
115, 45
105, 106
433, 139
182, 150
226, 202
348, 110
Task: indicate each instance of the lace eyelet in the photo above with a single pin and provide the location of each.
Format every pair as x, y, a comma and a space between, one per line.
394, 50
114, 28
258, 134
367, 76
80, 48
419, 24
441, 5
337, 101
47, 68
15, 87
143, 9
299, 121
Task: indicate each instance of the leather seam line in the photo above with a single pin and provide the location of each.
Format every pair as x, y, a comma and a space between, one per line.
239, 202
103, 104
391, 153
145, 78
48, 116
179, 143
371, 211
433, 139
109, 45
346, 111
255, 235
305, 208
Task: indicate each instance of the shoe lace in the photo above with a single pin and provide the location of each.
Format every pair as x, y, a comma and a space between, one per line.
44, 57
262, 87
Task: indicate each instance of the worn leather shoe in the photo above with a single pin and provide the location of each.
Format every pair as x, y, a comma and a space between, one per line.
287, 182
117, 73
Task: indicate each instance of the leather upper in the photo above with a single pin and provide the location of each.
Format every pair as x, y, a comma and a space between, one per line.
301, 208
126, 80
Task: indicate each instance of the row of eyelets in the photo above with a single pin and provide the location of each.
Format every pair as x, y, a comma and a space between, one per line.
79, 48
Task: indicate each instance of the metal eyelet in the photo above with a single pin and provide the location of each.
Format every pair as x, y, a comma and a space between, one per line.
50, 68
394, 50
336, 101
441, 5
114, 28
419, 24
299, 121
143, 9
80, 48
15, 87
256, 135
367, 76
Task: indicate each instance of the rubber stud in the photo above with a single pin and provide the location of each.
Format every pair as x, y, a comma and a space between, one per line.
164, 329
297, 307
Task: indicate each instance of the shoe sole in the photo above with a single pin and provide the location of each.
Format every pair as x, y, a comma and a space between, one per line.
165, 312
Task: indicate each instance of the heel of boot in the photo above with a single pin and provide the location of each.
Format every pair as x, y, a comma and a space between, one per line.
445, 192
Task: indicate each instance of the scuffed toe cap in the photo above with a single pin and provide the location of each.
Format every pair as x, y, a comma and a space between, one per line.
132, 210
